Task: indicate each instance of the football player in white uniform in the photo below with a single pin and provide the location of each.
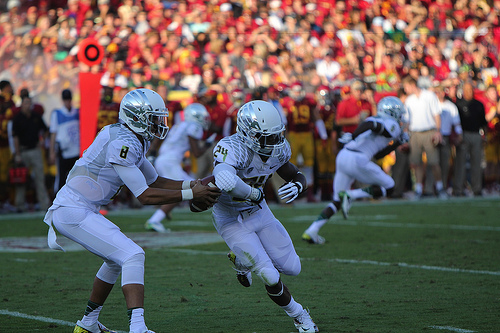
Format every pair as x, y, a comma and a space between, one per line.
375, 137
184, 136
258, 241
115, 159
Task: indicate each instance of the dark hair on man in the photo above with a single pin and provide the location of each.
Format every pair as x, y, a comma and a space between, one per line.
4, 83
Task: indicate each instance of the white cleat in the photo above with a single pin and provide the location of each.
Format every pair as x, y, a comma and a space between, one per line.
346, 204
313, 238
96, 328
146, 331
304, 323
155, 226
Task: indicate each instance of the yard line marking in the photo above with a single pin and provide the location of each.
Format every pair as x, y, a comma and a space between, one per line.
39, 318
355, 221
403, 264
354, 261
453, 329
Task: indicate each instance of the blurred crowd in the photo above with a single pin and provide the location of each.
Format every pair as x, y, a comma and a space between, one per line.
306, 56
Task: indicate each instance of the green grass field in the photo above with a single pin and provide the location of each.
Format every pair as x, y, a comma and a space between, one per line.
394, 266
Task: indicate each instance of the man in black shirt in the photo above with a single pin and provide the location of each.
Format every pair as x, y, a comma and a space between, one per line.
27, 128
472, 117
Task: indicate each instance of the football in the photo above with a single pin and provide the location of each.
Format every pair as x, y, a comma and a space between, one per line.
196, 206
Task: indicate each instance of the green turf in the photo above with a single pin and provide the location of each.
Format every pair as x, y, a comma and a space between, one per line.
392, 267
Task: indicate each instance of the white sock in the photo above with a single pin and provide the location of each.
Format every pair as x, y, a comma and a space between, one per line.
418, 188
293, 309
358, 194
91, 318
137, 323
439, 186
316, 225
158, 216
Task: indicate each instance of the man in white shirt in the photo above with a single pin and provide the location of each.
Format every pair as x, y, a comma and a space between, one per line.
425, 128
451, 131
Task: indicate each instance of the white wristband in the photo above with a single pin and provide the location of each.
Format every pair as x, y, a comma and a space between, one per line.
186, 185
187, 194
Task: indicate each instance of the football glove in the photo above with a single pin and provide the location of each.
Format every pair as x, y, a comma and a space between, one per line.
290, 191
346, 138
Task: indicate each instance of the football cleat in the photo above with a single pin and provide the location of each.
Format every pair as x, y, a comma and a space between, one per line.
96, 328
304, 322
313, 238
345, 199
155, 226
146, 331
243, 274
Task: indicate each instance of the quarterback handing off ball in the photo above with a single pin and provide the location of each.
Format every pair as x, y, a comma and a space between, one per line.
196, 206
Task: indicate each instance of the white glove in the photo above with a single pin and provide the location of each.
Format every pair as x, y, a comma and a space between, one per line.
404, 138
290, 191
346, 138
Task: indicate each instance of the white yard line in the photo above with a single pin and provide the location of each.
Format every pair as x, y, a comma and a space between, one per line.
453, 329
39, 318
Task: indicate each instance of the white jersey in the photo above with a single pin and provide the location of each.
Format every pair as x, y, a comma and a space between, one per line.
249, 167
176, 144
93, 181
370, 143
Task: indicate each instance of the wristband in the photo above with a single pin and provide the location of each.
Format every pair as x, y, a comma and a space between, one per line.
299, 185
186, 185
187, 194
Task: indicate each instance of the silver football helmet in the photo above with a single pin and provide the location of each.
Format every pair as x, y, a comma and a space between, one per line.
144, 111
391, 107
260, 125
197, 113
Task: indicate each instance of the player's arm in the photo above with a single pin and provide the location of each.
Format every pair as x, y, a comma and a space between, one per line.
136, 181
374, 126
319, 123
402, 139
199, 147
296, 182
228, 181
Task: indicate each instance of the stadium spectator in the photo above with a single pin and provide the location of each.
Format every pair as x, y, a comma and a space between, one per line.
64, 138
353, 110
29, 131
474, 124
492, 145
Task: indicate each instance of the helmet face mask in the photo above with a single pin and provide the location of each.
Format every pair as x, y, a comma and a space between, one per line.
144, 112
196, 112
261, 127
391, 107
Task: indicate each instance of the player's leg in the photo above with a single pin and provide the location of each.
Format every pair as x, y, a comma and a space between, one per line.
121, 255
279, 247
341, 183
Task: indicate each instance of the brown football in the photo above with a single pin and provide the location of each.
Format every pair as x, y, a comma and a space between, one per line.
197, 206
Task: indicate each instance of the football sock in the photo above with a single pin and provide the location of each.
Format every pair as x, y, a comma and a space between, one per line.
439, 186
158, 216
136, 319
91, 313
419, 188
293, 309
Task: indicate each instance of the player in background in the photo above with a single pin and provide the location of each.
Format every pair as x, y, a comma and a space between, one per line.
236, 98
258, 241
375, 137
326, 150
302, 117
183, 137
115, 159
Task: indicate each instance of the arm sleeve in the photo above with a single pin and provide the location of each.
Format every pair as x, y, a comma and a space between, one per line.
373, 125
149, 172
132, 177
